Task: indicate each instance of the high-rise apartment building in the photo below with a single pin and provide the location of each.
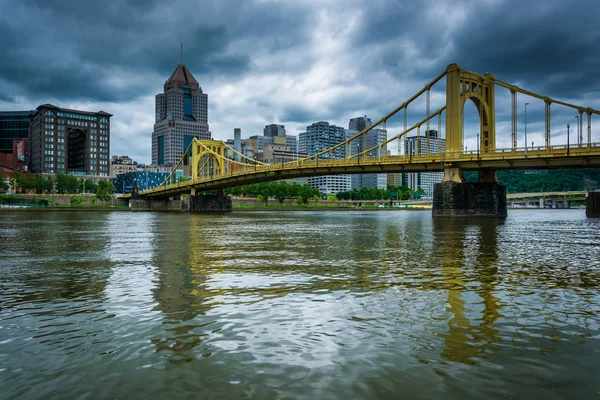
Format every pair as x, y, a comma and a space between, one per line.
373, 138
274, 130
318, 137
181, 115
69, 141
420, 145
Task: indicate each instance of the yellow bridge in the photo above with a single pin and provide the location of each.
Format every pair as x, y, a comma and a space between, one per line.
209, 164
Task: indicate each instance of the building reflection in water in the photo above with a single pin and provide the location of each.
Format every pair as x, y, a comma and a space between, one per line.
130, 248
470, 283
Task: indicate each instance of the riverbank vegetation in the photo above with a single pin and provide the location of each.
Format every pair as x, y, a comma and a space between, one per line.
61, 183
281, 191
559, 180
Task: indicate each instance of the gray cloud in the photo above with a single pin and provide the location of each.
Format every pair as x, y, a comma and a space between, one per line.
285, 62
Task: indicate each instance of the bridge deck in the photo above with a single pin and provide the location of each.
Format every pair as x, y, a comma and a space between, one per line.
555, 157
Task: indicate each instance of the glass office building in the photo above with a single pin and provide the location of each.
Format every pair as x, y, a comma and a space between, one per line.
14, 125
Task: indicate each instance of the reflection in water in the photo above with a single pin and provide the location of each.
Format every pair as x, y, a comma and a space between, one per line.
299, 305
455, 239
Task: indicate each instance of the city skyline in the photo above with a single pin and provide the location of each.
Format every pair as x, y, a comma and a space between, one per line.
306, 68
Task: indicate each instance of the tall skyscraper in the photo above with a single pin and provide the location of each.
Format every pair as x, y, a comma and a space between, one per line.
359, 124
318, 137
424, 180
373, 138
274, 130
69, 141
181, 115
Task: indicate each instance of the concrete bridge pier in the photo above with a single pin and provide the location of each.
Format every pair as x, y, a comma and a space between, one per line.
566, 204
592, 204
554, 202
541, 203
454, 197
207, 203
201, 203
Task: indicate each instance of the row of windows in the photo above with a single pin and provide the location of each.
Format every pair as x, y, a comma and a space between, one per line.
74, 115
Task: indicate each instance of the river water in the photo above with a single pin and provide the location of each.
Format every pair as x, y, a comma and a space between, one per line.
303, 305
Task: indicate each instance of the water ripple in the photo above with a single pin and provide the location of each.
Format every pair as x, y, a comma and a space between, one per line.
299, 305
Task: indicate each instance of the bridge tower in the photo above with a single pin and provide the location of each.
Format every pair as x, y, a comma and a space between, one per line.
454, 196
207, 158
462, 86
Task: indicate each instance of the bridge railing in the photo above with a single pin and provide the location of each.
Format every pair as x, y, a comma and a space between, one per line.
561, 150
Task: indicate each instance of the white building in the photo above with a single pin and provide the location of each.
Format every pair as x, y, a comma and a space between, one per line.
374, 138
318, 137
424, 180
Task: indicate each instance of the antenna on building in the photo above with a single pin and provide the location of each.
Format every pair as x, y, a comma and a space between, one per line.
181, 54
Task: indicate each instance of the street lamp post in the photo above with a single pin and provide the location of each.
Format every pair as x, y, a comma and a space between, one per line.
477, 145
577, 118
526, 104
568, 126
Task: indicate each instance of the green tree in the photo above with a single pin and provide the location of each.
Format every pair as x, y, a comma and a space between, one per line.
419, 193
40, 183
3, 185
332, 198
87, 186
280, 191
105, 190
263, 199
66, 183
17, 181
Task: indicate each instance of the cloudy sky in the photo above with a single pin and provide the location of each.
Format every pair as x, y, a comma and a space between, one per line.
294, 62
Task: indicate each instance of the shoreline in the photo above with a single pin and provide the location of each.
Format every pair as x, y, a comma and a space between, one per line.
251, 209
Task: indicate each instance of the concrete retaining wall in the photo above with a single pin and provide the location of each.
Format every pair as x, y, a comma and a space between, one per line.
65, 200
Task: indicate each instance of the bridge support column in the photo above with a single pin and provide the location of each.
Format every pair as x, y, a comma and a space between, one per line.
592, 204
454, 197
207, 203
554, 202
566, 204
541, 204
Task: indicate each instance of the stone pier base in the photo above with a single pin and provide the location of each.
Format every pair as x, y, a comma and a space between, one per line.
592, 204
207, 203
469, 199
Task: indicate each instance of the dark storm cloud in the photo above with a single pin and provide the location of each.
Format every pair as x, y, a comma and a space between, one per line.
302, 113
6, 97
551, 46
107, 52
